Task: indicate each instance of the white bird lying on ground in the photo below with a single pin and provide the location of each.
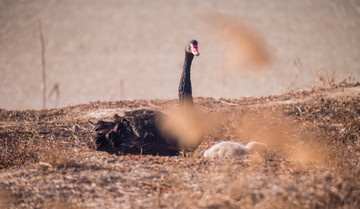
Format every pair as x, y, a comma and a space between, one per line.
226, 149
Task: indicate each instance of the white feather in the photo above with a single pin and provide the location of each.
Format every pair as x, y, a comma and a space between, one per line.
227, 149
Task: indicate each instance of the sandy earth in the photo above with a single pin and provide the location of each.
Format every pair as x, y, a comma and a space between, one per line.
48, 161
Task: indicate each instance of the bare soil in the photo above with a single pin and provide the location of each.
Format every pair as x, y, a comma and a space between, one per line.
48, 160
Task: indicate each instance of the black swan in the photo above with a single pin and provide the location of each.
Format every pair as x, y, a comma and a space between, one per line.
141, 131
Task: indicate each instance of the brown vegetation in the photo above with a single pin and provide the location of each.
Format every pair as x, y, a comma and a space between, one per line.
47, 157
241, 47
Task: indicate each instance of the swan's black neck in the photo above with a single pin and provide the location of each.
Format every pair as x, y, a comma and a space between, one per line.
185, 92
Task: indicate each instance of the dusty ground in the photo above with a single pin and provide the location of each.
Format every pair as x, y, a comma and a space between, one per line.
47, 158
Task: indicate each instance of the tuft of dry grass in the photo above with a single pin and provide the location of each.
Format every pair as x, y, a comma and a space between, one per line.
187, 125
327, 79
242, 47
56, 156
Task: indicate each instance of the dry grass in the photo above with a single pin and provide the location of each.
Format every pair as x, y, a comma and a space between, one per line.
27, 135
47, 160
241, 47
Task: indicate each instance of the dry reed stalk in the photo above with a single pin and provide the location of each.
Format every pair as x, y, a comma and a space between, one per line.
299, 73
121, 85
243, 49
5, 147
42, 43
55, 90
115, 93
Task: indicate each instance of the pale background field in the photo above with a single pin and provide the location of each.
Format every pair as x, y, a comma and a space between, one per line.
92, 45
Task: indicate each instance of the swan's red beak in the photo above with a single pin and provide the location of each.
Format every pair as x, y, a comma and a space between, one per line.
194, 49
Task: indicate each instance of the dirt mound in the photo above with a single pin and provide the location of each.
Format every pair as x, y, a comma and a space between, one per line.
47, 159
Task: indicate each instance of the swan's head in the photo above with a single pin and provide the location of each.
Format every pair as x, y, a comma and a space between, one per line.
192, 47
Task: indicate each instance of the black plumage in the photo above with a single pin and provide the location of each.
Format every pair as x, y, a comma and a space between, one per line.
137, 132
140, 131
